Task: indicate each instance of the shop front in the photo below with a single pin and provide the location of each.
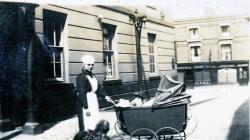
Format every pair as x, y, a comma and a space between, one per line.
212, 73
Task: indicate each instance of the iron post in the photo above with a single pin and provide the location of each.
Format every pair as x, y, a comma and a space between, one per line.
138, 22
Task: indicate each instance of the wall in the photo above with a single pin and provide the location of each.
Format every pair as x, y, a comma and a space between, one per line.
84, 35
209, 28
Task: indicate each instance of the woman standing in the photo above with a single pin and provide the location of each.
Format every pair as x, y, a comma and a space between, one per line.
88, 90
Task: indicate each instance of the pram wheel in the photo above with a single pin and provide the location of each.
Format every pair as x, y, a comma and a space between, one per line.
169, 133
139, 134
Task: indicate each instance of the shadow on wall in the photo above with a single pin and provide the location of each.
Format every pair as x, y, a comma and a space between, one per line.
239, 129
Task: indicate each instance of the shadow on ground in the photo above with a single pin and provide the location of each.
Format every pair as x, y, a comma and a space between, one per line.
203, 101
239, 129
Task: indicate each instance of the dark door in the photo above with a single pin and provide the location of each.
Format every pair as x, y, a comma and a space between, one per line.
8, 20
202, 77
189, 78
243, 76
214, 76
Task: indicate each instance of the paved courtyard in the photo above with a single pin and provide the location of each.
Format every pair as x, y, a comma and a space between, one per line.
217, 113
220, 112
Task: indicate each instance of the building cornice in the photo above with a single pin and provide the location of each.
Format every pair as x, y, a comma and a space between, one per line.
128, 11
210, 18
213, 63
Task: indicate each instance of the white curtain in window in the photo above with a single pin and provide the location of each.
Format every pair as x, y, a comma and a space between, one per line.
226, 52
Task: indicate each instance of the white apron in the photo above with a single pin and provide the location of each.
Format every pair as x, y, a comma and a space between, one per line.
93, 106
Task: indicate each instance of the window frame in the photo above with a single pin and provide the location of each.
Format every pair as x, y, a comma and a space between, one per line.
193, 32
109, 53
197, 49
152, 53
225, 33
55, 45
224, 46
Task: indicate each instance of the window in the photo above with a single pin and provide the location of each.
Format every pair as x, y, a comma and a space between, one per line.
151, 41
195, 52
108, 50
225, 29
193, 33
226, 53
54, 23
243, 73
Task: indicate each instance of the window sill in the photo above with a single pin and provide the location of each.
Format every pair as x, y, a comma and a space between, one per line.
54, 80
194, 40
225, 38
112, 82
153, 74
154, 78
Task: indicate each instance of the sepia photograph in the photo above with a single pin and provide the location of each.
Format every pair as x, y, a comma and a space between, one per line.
124, 70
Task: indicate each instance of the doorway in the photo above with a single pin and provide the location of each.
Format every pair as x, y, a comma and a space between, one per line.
227, 76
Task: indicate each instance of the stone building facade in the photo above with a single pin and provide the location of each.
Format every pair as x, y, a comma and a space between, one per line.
108, 33
42, 50
212, 50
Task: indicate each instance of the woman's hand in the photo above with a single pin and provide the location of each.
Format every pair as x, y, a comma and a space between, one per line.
88, 113
109, 99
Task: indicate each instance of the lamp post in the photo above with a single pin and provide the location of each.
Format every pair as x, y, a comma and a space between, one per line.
138, 22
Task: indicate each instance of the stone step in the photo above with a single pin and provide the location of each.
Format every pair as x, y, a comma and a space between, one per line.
10, 134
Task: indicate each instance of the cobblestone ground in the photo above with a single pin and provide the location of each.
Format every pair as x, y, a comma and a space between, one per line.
66, 130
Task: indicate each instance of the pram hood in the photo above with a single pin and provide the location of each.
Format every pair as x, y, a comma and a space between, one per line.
170, 92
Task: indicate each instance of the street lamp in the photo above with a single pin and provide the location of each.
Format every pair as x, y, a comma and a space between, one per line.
138, 22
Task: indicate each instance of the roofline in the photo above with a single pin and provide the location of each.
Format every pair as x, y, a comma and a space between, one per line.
127, 11
210, 18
